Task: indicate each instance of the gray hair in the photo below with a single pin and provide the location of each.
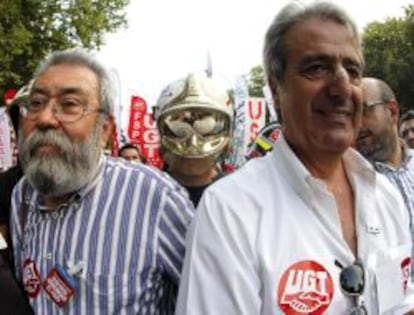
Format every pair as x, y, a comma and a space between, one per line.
275, 52
79, 57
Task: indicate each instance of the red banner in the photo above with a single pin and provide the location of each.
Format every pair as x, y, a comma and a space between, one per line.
136, 116
150, 145
143, 132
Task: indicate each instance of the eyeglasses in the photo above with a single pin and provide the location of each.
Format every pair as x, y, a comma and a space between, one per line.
369, 104
352, 282
65, 110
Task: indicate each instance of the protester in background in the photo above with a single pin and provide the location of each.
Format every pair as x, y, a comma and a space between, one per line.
379, 142
10, 177
8, 152
12, 297
407, 128
310, 228
91, 234
194, 118
131, 153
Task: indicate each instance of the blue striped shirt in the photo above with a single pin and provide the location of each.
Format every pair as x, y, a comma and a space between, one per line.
127, 227
403, 179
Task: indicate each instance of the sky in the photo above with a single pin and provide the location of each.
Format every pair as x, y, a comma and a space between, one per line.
167, 39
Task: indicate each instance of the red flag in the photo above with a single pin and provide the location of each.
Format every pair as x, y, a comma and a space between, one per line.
136, 117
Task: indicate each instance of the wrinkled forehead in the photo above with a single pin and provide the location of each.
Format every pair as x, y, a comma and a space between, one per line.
66, 79
322, 36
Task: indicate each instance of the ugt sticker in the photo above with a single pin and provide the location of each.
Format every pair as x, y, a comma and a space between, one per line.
305, 287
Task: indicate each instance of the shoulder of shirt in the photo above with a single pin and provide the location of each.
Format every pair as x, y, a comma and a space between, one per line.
152, 174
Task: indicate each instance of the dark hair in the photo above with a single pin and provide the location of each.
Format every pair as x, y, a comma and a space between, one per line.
132, 146
275, 52
408, 115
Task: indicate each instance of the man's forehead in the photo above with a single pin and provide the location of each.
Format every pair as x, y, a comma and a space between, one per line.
407, 123
66, 79
322, 37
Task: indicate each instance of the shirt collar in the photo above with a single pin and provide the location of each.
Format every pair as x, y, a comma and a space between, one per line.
79, 194
304, 182
407, 156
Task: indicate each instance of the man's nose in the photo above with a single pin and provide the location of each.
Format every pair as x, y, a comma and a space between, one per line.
47, 114
340, 83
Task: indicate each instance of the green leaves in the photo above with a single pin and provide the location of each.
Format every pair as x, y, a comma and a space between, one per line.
389, 54
31, 29
256, 81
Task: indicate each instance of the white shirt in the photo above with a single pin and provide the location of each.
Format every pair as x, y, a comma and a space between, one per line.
265, 240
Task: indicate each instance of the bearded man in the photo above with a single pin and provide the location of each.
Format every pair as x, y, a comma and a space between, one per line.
379, 142
92, 234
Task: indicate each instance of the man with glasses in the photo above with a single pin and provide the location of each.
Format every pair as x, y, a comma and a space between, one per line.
310, 228
379, 142
407, 128
91, 234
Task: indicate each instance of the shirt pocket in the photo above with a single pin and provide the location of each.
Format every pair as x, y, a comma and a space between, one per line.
110, 292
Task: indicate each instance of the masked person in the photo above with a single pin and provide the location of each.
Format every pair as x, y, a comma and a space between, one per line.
310, 228
194, 118
91, 233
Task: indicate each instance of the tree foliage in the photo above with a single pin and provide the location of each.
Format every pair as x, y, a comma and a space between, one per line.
30, 29
256, 81
389, 54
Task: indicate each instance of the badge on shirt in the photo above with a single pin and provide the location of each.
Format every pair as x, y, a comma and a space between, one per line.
60, 285
31, 278
392, 274
306, 287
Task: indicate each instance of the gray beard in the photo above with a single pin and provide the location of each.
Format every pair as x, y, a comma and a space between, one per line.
57, 175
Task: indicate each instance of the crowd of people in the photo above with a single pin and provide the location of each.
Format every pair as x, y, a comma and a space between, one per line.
318, 221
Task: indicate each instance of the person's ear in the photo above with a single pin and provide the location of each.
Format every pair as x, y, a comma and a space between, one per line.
274, 88
107, 130
394, 111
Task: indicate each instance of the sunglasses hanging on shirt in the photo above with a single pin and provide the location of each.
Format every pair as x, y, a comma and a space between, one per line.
352, 282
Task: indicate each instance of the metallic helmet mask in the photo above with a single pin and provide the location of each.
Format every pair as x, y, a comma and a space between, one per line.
194, 117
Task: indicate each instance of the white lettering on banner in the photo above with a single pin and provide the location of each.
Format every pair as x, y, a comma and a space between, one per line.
149, 122
135, 134
136, 124
151, 136
150, 132
151, 149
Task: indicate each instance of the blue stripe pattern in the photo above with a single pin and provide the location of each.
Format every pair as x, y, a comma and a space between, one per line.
128, 228
403, 179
